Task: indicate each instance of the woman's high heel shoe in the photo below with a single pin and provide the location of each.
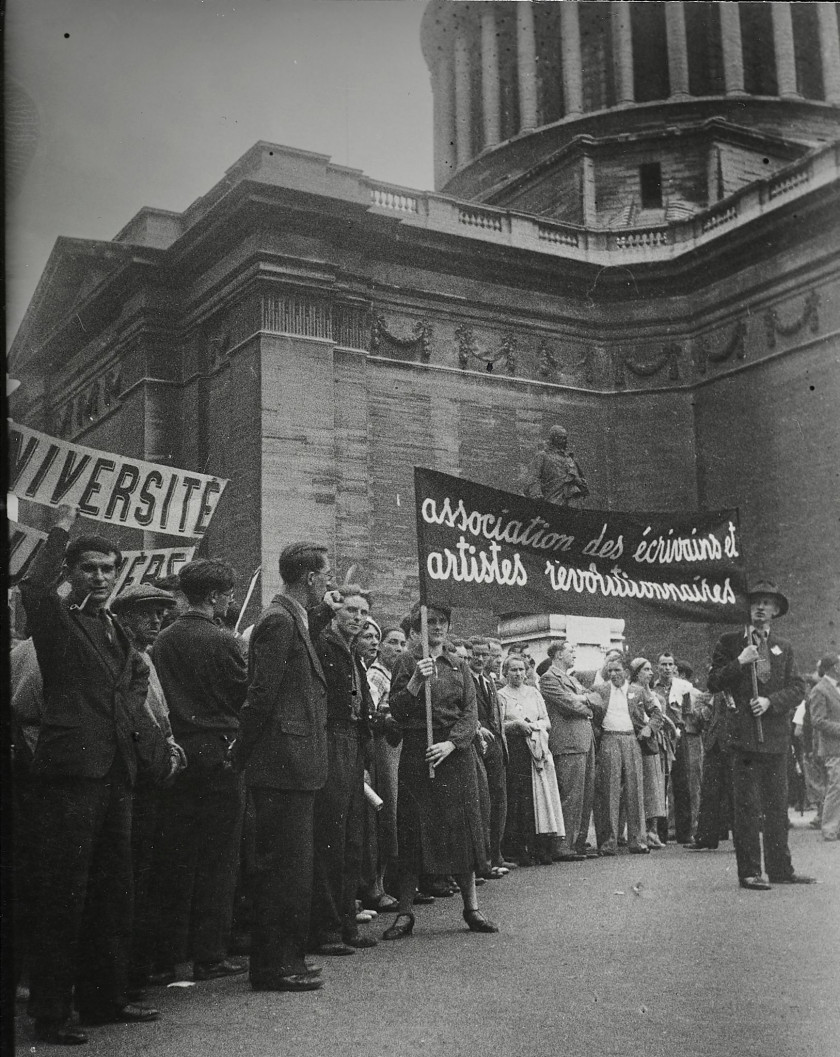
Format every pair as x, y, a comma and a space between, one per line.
477, 922
403, 926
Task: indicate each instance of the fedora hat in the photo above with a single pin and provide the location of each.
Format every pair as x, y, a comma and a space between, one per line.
768, 587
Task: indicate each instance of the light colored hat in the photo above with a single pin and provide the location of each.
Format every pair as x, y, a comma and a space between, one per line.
141, 593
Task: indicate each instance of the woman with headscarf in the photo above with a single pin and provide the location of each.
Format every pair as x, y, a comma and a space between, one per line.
534, 814
438, 819
649, 737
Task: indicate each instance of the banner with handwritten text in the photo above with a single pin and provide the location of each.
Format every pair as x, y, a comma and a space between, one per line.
109, 487
480, 548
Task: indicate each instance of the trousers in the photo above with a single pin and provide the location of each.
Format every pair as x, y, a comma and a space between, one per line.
339, 829
715, 818
494, 766
619, 764
760, 794
576, 779
84, 895
282, 882
196, 864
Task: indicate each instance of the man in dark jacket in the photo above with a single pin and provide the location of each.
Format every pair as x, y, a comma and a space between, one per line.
758, 732
282, 747
93, 731
340, 803
204, 678
715, 818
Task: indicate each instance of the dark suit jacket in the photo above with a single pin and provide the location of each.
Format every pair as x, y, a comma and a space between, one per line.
282, 742
491, 714
824, 705
714, 723
338, 662
571, 721
94, 698
785, 690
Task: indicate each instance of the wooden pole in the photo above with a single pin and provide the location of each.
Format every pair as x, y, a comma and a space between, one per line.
759, 726
251, 586
427, 685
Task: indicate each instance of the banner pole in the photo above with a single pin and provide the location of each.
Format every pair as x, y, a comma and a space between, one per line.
759, 726
427, 685
251, 586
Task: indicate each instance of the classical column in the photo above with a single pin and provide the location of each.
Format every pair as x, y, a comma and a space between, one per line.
783, 47
622, 52
829, 52
490, 76
733, 55
526, 54
443, 103
463, 99
572, 69
677, 49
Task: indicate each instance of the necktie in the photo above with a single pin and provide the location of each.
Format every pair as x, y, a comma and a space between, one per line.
762, 665
108, 624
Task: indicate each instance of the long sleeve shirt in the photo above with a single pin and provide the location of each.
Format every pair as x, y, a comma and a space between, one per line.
454, 714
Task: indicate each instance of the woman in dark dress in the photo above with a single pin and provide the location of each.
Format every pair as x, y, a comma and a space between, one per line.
438, 820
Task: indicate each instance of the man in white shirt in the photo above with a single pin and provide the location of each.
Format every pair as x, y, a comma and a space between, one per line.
619, 763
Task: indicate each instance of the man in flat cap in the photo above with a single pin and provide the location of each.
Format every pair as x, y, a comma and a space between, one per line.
554, 475
141, 609
758, 731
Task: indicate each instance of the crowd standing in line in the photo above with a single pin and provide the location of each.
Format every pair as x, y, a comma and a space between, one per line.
138, 747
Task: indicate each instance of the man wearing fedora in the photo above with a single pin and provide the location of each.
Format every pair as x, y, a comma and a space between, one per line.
758, 731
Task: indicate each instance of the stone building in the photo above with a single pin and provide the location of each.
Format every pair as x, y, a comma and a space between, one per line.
633, 233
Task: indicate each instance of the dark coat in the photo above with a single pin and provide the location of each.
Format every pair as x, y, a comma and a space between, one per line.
785, 689
491, 714
94, 697
824, 705
338, 663
714, 723
282, 742
637, 698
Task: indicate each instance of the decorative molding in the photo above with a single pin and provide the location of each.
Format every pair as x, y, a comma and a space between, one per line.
736, 346
810, 316
624, 361
548, 363
294, 314
468, 349
420, 341
351, 326
90, 403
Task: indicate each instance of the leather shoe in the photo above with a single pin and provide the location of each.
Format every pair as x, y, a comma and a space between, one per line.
215, 970
477, 922
794, 879
59, 1034
403, 926
639, 849
588, 853
757, 884
127, 1014
568, 856
508, 865
359, 941
297, 982
333, 950
422, 900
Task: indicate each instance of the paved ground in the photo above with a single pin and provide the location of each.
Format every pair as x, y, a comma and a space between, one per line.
655, 955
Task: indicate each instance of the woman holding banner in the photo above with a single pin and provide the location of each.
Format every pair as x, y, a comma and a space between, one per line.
438, 818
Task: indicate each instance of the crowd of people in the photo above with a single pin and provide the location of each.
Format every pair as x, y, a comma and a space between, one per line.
185, 794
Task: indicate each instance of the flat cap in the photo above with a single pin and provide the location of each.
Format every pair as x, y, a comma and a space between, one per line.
141, 593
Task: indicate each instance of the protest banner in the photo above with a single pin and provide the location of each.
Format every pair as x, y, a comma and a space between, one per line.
109, 487
141, 567
24, 544
481, 548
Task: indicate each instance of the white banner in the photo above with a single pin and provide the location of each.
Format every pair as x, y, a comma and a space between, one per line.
24, 544
140, 567
109, 487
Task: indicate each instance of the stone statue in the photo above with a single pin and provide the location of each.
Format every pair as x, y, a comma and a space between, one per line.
554, 475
